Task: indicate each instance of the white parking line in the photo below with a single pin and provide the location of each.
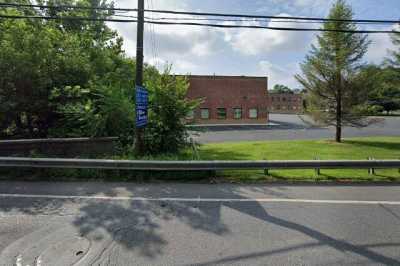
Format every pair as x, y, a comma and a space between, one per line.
260, 200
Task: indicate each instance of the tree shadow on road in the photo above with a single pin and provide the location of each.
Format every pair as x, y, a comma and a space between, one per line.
323, 239
137, 225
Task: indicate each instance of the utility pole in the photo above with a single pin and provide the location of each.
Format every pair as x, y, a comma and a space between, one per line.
139, 136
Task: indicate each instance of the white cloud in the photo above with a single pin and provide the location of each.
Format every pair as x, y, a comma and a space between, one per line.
279, 74
315, 7
176, 44
380, 46
255, 42
203, 50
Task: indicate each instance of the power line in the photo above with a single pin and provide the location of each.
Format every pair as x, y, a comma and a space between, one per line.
150, 36
67, 7
206, 14
268, 27
198, 24
156, 46
67, 18
271, 17
239, 20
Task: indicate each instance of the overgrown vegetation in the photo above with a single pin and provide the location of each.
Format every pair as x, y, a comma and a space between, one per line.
64, 78
384, 93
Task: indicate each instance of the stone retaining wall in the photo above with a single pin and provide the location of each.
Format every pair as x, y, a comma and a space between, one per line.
61, 147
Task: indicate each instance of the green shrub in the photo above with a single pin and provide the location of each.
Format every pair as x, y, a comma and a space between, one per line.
166, 131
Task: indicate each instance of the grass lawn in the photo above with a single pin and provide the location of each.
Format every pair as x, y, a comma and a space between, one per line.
353, 149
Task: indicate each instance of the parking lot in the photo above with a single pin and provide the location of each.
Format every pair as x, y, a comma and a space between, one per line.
288, 127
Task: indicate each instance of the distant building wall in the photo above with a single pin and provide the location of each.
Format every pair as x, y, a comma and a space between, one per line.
229, 99
285, 103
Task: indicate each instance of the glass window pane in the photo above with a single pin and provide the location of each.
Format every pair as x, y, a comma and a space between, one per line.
221, 113
253, 113
205, 114
237, 113
190, 115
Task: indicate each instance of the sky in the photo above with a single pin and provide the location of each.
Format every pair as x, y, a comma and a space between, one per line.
250, 52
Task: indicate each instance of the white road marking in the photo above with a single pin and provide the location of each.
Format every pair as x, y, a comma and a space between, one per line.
260, 200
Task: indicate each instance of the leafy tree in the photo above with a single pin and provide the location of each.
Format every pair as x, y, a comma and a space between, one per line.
34, 59
105, 107
38, 56
394, 60
278, 88
392, 93
109, 110
331, 77
166, 131
384, 84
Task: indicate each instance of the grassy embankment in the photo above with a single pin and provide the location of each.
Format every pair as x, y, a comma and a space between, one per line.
352, 149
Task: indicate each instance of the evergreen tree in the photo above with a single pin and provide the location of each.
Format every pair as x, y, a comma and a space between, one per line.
335, 91
394, 61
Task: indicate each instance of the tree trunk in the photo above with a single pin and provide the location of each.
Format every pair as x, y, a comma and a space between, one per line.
339, 108
338, 133
339, 117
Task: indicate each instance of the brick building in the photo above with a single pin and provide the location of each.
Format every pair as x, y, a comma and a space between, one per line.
229, 99
285, 103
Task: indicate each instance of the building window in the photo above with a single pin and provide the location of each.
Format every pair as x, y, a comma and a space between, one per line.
253, 113
278, 107
237, 113
283, 99
190, 115
205, 113
221, 113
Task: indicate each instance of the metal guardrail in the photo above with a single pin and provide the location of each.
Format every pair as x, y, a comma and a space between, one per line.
194, 165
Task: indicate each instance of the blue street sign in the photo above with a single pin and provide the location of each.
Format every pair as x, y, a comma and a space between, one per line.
142, 102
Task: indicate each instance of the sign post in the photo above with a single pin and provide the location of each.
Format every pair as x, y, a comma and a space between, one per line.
142, 102
141, 109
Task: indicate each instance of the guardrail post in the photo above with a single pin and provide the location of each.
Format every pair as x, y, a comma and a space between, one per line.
371, 171
266, 170
317, 170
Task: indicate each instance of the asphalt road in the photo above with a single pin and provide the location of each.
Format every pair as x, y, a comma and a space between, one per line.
288, 127
198, 224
